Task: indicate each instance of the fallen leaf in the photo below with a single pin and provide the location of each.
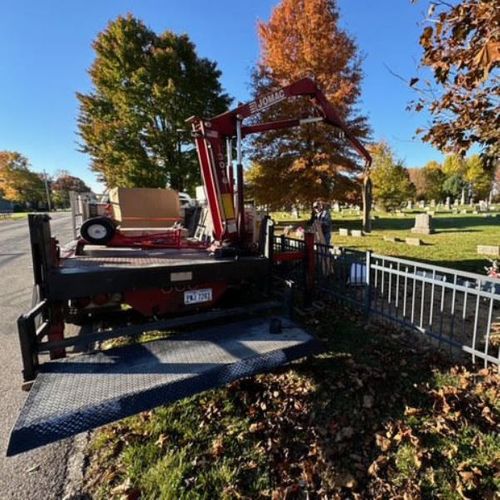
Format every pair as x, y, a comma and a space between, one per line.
218, 447
382, 442
257, 427
161, 440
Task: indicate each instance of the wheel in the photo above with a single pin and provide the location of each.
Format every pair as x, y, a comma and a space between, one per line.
98, 230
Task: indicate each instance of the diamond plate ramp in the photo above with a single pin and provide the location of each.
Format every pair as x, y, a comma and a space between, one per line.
83, 392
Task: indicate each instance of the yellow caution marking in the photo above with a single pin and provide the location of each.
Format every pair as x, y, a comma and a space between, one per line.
227, 205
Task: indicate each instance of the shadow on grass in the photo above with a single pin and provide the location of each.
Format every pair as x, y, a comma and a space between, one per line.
441, 224
475, 266
366, 378
442, 231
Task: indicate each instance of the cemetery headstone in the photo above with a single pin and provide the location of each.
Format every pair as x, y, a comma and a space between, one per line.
357, 233
423, 224
416, 242
343, 231
493, 250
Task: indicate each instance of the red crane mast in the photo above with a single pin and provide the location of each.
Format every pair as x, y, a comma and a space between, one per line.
214, 139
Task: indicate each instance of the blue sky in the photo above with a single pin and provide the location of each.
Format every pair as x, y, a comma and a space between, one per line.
45, 51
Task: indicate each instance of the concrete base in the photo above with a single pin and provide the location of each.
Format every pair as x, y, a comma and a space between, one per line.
423, 230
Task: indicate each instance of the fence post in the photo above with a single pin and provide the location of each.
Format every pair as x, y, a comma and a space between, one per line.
269, 253
309, 265
368, 287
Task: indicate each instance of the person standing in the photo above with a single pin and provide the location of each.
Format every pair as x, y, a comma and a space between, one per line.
322, 215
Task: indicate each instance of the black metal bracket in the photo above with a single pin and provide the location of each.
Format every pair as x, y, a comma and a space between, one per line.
30, 336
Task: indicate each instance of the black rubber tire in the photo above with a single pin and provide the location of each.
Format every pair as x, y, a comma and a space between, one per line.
98, 230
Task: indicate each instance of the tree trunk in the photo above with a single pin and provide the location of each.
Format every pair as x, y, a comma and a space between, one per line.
367, 203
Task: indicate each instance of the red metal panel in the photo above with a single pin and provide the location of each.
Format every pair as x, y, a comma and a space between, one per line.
218, 188
288, 256
156, 301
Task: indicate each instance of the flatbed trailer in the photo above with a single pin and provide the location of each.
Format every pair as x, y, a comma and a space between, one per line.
148, 284
84, 385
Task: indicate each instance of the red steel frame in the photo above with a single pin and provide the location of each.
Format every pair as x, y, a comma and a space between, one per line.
216, 168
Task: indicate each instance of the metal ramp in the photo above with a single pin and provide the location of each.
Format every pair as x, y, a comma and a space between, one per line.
83, 392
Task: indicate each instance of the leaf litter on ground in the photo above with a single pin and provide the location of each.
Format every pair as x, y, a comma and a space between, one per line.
378, 414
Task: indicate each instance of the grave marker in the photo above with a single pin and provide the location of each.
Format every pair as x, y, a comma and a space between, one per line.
416, 242
493, 250
423, 224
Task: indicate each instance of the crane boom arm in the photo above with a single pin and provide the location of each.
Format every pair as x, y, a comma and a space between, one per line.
213, 138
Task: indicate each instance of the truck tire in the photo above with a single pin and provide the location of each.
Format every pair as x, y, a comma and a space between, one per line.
98, 230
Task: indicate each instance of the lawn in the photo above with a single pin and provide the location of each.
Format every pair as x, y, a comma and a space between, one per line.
453, 244
377, 415
14, 216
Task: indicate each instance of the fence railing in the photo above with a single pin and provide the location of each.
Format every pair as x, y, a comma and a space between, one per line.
456, 309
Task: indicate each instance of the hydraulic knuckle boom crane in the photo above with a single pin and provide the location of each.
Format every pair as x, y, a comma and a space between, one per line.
214, 143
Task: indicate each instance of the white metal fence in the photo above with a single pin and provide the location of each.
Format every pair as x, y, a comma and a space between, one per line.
457, 309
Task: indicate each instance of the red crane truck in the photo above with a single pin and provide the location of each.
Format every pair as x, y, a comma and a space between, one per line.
124, 291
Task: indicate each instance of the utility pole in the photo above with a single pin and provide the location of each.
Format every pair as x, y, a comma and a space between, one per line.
47, 193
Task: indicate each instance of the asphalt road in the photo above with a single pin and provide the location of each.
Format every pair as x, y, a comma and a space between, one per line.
39, 474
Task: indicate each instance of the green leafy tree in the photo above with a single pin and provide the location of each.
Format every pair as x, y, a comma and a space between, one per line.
62, 185
17, 182
391, 181
434, 179
454, 165
304, 38
417, 178
145, 86
428, 181
479, 177
454, 186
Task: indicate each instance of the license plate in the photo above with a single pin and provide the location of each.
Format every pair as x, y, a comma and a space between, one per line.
198, 296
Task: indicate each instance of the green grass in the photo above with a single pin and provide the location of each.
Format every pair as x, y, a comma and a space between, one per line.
15, 216
453, 244
373, 416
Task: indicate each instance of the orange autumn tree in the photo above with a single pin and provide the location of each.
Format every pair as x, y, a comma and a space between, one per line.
17, 182
303, 38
